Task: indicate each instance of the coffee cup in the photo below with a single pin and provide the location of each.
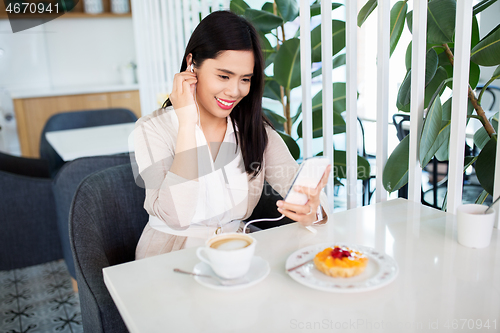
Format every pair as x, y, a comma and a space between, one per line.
229, 255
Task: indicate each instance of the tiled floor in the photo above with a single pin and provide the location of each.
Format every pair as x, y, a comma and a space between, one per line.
39, 299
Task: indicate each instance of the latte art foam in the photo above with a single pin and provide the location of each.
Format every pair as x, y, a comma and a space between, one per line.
230, 244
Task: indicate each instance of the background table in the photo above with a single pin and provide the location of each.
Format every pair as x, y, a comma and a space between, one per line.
91, 141
442, 286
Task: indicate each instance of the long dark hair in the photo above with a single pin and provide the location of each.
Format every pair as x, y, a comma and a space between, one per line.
221, 31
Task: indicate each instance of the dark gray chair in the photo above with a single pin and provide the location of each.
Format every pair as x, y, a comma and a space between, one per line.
27, 214
78, 119
65, 184
106, 220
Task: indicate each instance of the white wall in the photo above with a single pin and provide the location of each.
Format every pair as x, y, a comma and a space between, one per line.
66, 52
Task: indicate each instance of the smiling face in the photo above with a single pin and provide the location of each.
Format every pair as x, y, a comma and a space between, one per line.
222, 83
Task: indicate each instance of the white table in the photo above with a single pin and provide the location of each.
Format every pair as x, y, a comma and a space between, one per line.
91, 141
441, 284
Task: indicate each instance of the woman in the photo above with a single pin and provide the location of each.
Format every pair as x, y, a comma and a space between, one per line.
205, 154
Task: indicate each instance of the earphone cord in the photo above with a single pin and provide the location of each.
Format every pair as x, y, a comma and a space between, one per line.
260, 220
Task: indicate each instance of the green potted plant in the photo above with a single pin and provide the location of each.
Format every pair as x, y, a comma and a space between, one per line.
270, 20
434, 141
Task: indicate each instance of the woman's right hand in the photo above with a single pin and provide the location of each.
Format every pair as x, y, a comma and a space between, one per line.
182, 97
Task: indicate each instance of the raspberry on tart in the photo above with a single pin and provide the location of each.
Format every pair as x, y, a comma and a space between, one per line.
340, 261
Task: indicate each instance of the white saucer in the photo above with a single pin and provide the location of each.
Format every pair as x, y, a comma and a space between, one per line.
259, 269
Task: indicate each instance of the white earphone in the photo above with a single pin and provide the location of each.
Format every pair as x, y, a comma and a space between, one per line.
192, 68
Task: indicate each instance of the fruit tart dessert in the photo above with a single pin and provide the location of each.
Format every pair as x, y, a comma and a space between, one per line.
340, 261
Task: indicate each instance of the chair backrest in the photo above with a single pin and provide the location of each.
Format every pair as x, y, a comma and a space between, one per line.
78, 119
65, 184
31, 167
106, 220
27, 220
398, 119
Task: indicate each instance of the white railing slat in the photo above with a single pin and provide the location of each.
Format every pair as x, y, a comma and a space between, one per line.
459, 103
167, 50
179, 32
305, 67
419, 46
142, 57
186, 22
326, 56
383, 48
351, 102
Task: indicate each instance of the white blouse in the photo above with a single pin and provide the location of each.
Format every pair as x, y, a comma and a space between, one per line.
221, 191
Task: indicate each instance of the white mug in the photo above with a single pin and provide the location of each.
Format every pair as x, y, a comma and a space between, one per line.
474, 227
229, 255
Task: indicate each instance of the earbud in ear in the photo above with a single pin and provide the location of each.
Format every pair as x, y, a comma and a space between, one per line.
192, 68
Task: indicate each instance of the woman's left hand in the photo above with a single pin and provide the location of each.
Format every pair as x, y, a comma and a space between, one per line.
305, 214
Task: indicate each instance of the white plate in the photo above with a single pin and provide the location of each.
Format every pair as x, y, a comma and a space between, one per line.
259, 269
380, 270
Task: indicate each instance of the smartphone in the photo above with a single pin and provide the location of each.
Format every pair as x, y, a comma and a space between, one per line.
309, 175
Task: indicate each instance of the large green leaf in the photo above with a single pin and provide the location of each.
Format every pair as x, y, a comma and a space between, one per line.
289, 9
275, 119
430, 132
482, 6
238, 7
262, 20
475, 32
395, 173
367, 9
340, 166
336, 62
408, 57
293, 147
442, 154
474, 74
435, 85
481, 137
431, 62
440, 21
316, 8
272, 89
270, 59
404, 93
431, 66
268, 7
485, 166
444, 133
265, 45
398, 14
317, 117
339, 99
487, 51
287, 64
338, 40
